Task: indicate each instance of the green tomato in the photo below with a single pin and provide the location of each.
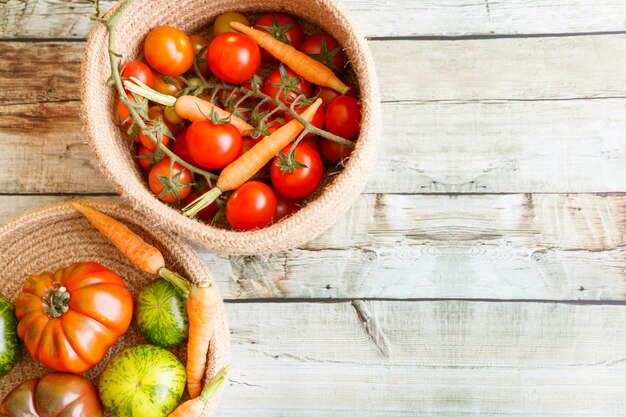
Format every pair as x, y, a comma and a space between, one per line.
10, 344
222, 23
142, 380
161, 314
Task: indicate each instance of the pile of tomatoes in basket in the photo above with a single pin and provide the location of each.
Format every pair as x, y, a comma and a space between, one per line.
219, 71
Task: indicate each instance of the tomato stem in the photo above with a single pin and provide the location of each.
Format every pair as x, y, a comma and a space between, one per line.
56, 301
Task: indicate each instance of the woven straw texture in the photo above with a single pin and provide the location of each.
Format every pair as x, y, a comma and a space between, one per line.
58, 236
117, 162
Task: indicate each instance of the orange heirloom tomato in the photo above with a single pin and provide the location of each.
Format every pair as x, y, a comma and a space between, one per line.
68, 320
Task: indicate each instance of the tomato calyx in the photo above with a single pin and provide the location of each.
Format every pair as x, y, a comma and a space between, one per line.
287, 85
288, 163
158, 129
326, 57
56, 301
153, 157
278, 31
172, 184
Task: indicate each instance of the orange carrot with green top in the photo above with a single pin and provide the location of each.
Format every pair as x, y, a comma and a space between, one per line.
243, 168
195, 407
308, 68
201, 308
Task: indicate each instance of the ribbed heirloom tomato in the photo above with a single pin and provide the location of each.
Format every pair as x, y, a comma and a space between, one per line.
168, 50
234, 57
68, 320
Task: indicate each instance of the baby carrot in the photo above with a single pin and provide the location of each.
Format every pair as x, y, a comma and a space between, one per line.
308, 68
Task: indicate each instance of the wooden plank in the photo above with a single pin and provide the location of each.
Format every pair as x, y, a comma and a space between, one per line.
545, 247
426, 358
63, 19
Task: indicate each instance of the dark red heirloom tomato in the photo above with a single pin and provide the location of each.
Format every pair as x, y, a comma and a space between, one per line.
53, 395
234, 57
68, 320
304, 179
282, 27
293, 85
325, 49
343, 117
251, 206
140, 71
213, 145
169, 50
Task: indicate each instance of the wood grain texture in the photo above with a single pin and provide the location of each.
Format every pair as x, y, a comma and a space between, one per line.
65, 19
554, 247
443, 359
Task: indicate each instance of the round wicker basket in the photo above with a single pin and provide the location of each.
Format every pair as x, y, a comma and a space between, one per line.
116, 160
57, 236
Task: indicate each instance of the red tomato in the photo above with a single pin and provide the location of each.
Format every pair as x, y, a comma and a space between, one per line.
325, 49
248, 143
303, 180
156, 118
285, 206
282, 27
180, 148
124, 113
168, 50
167, 85
312, 143
327, 94
208, 212
343, 117
213, 145
334, 152
293, 86
317, 121
149, 158
251, 206
170, 182
234, 57
199, 43
138, 70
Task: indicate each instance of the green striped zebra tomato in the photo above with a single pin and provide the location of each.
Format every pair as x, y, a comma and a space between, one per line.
161, 314
141, 381
10, 345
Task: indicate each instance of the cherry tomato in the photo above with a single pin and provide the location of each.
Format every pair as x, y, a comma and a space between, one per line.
222, 23
234, 57
138, 70
285, 206
168, 50
213, 145
317, 120
206, 213
334, 152
171, 116
293, 86
167, 85
327, 94
180, 148
303, 180
312, 143
124, 113
149, 158
251, 206
170, 182
199, 43
282, 27
325, 49
248, 143
343, 117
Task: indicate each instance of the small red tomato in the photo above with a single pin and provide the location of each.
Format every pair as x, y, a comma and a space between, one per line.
213, 145
149, 158
199, 43
138, 70
312, 143
180, 148
325, 49
155, 126
206, 213
283, 28
234, 57
327, 94
301, 181
168, 50
285, 206
343, 117
167, 85
170, 182
248, 143
292, 86
251, 206
334, 152
124, 113
318, 119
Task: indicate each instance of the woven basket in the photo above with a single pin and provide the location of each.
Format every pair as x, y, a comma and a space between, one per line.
57, 236
116, 159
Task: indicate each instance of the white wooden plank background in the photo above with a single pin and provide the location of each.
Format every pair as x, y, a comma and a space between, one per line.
501, 177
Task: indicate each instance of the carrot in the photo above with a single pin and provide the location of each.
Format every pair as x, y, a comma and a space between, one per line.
201, 308
143, 255
308, 68
194, 108
195, 406
248, 164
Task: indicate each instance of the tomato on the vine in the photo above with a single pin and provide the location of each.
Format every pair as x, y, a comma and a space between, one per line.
234, 57
334, 152
180, 148
170, 181
150, 157
199, 43
301, 180
167, 85
318, 119
325, 49
251, 206
169, 50
282, 27
213, 145
222, 22
285, 206
157, 126
138, 70
312, 143
292, 86
343, 117
124, 113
